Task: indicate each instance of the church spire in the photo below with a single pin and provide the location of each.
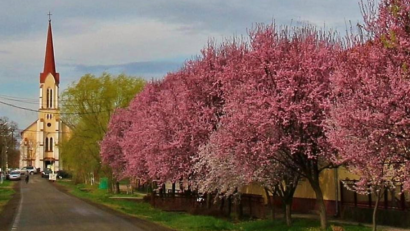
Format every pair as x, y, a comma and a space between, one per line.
49, 62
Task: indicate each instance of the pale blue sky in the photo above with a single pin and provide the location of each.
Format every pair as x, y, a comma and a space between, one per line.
141, 38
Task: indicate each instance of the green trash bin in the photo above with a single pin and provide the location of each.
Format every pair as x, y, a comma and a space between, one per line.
103, 183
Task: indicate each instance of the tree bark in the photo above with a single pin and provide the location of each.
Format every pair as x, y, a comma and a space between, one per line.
221, 207
288, 214
208, 200
229, 205
374, 223
320, 203
173, 189
117, 187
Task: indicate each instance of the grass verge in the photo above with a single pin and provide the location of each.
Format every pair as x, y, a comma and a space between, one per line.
187, 222
6, 193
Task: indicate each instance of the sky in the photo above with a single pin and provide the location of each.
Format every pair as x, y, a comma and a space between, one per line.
146, 39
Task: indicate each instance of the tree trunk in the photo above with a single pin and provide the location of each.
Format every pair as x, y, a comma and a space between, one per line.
163, 191
378, 194
221, 207
288, 214
117, 187
173, 189
240, 207
320, 203
160, 192
208, 200
229, 205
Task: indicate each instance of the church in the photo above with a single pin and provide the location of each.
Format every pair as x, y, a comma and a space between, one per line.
40, 141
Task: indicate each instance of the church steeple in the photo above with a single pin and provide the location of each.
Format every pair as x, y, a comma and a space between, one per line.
42, 138
49, 62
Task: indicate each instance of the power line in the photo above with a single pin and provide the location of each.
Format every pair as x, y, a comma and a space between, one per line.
54, 113
21, 130
60, 100
19, 100
15, 97
15, 106
36, 103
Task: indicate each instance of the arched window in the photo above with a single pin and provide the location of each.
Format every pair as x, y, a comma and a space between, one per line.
46, 144
51, 144
49, 98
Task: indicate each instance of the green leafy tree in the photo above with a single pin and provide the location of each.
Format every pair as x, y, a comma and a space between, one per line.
9, 154
86, 107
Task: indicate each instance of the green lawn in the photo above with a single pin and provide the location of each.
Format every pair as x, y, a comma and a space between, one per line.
187, 222
6, 193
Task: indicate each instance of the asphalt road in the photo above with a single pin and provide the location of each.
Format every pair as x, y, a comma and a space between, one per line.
43, 207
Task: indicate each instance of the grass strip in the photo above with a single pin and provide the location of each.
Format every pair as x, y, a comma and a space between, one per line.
187, 222
6, 193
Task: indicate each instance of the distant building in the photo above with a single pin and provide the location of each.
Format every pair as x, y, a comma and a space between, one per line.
40, 141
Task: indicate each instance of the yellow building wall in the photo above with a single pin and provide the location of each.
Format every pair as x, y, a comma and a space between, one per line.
327, 184
29, 136
304, 190
30, 132
255, 188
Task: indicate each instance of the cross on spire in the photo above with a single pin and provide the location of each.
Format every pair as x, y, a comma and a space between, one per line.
49, 16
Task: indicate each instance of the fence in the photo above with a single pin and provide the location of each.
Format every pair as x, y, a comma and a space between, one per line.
391, 200
245, 205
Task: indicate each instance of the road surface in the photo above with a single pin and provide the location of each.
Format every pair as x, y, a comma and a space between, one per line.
43, 207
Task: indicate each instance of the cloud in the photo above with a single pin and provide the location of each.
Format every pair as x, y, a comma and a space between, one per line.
19, 18
143, 69
136, 37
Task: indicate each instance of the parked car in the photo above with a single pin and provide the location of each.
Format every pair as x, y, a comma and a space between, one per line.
30, 169
14, 175
46, 173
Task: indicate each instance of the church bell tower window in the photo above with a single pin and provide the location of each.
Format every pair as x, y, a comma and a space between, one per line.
46, 144
50, 98
51, 144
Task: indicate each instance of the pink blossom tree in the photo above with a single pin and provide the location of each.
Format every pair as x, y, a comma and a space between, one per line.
221, 171
370, 117
137, 144
275, 108
111, 151
174, 118
390, 27
363, 118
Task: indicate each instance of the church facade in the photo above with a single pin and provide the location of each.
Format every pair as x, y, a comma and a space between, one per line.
40, 141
